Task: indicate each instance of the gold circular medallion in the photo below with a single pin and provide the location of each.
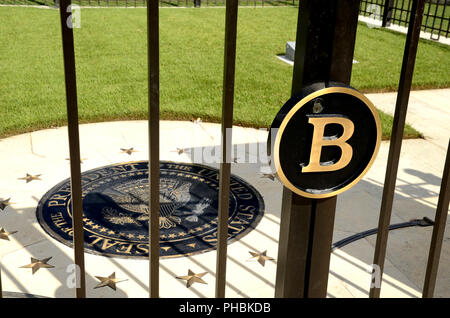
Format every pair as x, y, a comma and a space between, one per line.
324, 140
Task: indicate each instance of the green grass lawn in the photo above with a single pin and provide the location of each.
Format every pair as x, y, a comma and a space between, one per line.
112, 68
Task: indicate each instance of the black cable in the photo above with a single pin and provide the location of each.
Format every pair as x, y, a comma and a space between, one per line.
416, 222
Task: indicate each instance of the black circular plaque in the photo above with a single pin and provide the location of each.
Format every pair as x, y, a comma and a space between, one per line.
116, 213
326, 138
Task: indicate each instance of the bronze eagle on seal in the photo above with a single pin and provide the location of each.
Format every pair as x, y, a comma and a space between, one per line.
134, 197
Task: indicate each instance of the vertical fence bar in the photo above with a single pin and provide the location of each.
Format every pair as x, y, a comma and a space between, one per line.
394, 13
74, 143
387, 13
402, 10
153, 165
404, 87
434, 21
227, 123
1, 290
438, 231
448, 28
408, 12
442, 20
427, 15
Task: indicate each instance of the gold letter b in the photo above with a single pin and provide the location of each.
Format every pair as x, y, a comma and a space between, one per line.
319, 141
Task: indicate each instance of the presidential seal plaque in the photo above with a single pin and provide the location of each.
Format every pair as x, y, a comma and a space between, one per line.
116, 210
324, 139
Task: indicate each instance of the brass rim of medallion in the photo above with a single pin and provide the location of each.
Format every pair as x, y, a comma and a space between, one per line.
301, 103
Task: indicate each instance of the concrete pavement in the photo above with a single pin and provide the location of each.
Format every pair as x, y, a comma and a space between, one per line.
45, 153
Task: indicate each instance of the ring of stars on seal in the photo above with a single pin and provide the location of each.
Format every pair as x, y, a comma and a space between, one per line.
116, 210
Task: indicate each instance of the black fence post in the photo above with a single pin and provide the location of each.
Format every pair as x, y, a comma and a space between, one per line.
387, 13
326, 33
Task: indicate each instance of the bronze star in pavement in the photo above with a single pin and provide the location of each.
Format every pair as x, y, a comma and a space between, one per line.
260, 257
81, 160
192, 278
128, 151
198, 121
109, 281
36, 264
270, 176
4, 234
30, 177
180, 150
5, 203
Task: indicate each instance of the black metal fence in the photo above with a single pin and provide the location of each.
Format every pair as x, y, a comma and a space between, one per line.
162, 3
436, 16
